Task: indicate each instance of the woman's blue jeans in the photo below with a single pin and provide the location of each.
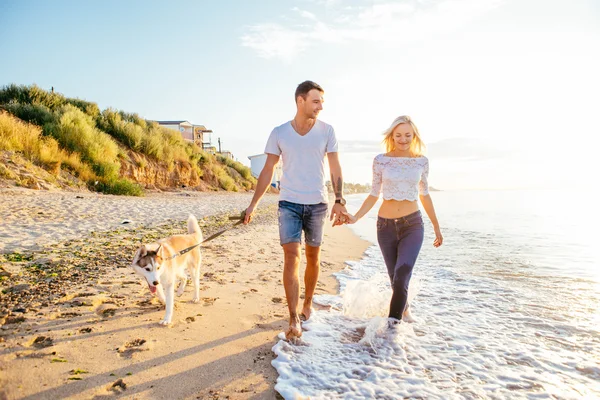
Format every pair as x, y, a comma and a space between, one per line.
400, 240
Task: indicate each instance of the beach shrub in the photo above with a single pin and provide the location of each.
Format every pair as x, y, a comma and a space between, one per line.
174, 146
87, 107
27, 139
14, 93
244, 171
80, 169
36, 105
134, 118
194, 153
207, 159
37, 114
31, 95
226, 182
152, 145
34, 95
130, 134
117, 186
140, 161
76, 131
16, 135
7, 173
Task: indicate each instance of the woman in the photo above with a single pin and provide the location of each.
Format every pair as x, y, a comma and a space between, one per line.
402, 173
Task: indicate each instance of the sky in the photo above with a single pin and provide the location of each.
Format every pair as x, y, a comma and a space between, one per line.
504, 92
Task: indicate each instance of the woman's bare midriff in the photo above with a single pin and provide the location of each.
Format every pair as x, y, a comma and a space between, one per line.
397, 209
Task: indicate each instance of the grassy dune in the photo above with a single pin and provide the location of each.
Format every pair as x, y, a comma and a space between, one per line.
64, 134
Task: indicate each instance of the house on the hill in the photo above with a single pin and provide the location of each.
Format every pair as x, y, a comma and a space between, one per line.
257, 163
210, 149
184, 127
189, 132
227, 154
200, 137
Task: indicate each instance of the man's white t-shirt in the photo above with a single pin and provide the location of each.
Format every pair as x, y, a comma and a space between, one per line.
303, 158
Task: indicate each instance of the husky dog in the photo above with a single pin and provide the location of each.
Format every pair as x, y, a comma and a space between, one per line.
162, 266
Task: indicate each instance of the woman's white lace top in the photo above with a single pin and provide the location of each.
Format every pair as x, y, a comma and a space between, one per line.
402, 178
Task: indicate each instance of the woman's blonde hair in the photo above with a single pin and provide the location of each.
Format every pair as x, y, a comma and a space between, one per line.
417, 147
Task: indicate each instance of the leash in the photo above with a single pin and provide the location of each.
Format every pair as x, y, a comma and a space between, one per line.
211, 237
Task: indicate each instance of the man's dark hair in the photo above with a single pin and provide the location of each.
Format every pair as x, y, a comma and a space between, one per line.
305, 87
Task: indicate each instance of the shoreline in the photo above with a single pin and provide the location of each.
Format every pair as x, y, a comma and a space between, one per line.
100, 335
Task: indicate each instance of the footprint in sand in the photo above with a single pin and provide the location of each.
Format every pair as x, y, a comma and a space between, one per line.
153, 301
68, 315
209, 301
106, 310
41, 342
117, 387
263, 276
132, 347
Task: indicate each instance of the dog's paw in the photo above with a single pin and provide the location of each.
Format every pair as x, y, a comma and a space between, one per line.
196, 300
165, 322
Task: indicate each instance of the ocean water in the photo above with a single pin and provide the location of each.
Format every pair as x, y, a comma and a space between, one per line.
508, 307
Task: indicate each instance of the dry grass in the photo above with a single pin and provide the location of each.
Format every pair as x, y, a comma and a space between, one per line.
27, 139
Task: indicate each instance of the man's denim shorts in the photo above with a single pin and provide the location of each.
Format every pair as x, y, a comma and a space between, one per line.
295, 218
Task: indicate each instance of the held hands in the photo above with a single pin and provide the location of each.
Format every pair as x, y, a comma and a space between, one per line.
341, 215
337, 215
350, 219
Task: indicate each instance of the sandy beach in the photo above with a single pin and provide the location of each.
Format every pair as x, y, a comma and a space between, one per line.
78, 323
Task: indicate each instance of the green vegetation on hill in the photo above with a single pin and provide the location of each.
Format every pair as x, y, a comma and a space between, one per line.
64, 134
350, 188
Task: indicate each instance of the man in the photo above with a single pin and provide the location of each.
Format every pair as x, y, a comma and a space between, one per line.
302, 143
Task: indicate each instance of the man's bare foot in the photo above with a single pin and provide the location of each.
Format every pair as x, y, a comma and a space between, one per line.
295, 329
306, 313
307, 309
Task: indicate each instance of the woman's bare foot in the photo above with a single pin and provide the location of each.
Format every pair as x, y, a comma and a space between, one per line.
407, 316
295, 329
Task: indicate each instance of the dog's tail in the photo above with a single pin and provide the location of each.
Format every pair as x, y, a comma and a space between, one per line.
193, 227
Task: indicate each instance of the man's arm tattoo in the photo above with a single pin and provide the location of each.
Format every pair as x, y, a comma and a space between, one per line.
338, 187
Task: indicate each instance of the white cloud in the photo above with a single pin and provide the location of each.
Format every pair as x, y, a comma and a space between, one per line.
387, 23
305, 14
326, 3
275, 41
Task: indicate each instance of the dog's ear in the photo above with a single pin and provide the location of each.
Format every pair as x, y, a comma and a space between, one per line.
141, 251
158, 250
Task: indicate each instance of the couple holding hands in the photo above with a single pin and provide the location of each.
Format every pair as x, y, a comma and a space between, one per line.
401, 174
